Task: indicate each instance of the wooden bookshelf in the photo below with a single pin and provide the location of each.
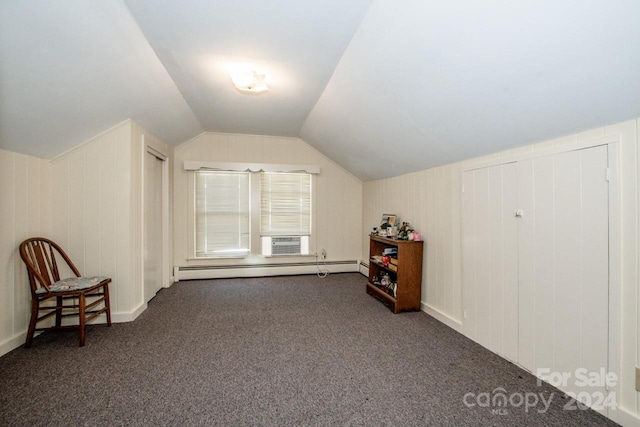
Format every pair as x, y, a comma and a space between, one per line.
408, 277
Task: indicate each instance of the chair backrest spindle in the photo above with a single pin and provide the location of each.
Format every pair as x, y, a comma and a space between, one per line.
39, 254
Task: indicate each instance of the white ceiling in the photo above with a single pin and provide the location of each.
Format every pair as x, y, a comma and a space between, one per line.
381, 87
70, 69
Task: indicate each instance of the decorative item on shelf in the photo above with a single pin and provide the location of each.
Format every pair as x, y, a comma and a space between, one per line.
388, 221
415, 236
390, 251
392, 288
385, 281
404, 230
374, 232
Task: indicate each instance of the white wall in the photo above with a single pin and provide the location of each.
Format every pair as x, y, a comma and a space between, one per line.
89, 200
338, 193
430, 200
97, 211
92, 212
24, 212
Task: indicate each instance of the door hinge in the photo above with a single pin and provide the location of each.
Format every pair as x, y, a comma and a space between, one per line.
608, 174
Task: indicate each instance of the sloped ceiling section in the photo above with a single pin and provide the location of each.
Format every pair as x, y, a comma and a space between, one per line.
426, 83
296, 43
382, 87
71, 69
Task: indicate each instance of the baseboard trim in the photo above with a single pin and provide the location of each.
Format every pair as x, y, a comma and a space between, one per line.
625, 418
258, 270
17, 340
437, 314
444, 318
128, 316
12, 343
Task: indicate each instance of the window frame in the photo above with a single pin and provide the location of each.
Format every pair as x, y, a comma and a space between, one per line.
255, 240
193, 221
305, 238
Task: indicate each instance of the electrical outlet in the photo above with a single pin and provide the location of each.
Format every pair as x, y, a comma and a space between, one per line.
324, 254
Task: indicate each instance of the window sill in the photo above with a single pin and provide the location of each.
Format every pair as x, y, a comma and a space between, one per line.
217, 257
291, 256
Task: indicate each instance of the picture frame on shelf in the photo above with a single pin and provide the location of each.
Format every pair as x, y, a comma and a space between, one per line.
388, 220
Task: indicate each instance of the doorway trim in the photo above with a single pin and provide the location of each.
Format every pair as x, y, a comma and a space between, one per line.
165, 262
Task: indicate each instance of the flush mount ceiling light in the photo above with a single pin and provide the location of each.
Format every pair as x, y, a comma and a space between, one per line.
250, 81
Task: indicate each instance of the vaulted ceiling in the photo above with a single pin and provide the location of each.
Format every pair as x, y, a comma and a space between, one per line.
381, 87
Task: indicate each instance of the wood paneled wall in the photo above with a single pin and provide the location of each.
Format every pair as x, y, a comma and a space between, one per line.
431, 201
338, 212
25, 185
89, 200
97, 210
92, 218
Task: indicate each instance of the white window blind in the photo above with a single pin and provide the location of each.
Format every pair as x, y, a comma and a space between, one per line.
222, 213
285, 205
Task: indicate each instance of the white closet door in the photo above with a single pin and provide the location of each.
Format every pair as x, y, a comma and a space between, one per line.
152, 225
490, 254
563, 263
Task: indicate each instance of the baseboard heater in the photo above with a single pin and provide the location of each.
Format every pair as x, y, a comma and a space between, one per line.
258, 270
363, 268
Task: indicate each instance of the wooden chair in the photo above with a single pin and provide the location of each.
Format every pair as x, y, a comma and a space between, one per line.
76, 296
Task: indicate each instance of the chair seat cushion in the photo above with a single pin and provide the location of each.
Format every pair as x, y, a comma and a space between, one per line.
73, 284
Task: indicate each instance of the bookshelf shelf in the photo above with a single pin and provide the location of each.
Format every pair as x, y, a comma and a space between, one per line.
407, 278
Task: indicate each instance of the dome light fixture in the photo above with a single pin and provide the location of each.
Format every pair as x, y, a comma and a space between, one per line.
250, 81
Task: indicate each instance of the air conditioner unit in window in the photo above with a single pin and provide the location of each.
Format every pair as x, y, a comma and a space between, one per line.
285, 245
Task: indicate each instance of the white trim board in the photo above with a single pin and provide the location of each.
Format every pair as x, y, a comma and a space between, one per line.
190, 165
579, 145
625, 417
454, 324
128, 316
18, 340
12, 343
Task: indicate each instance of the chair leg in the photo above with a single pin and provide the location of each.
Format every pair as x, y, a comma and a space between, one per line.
59, 311
107, 303
35, 306
81, 315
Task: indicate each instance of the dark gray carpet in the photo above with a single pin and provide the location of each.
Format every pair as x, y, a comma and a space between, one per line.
267, 351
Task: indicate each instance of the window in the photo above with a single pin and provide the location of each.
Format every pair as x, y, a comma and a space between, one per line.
285, 213
222, 213
240, 209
